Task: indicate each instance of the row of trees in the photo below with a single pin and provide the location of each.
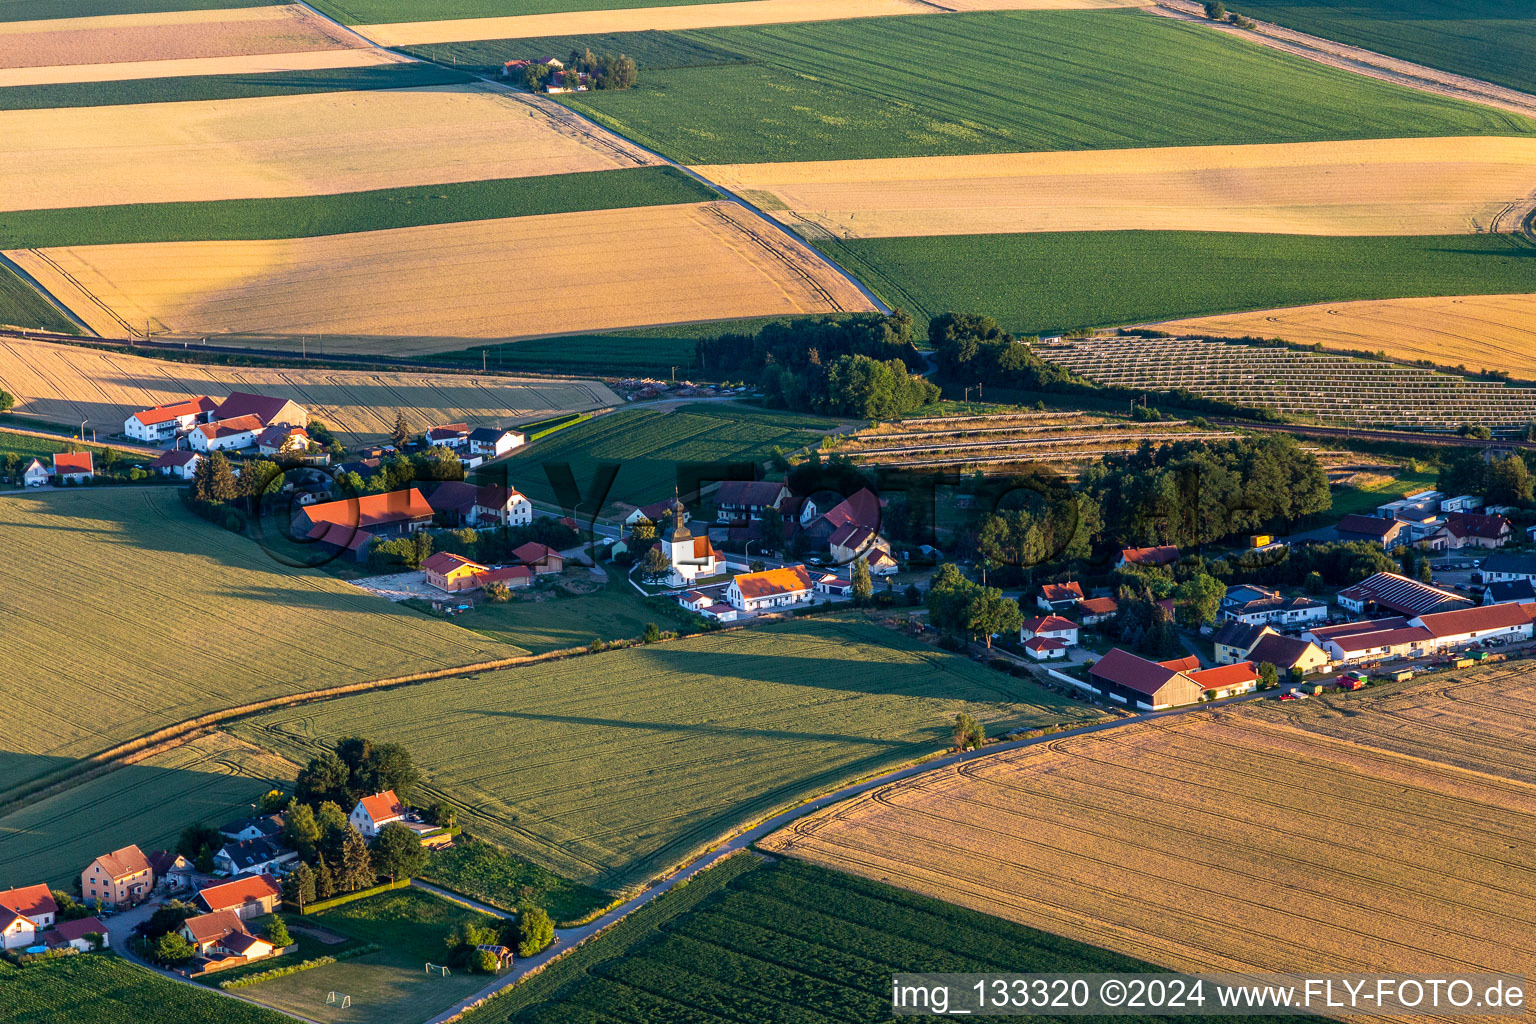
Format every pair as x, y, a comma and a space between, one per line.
1504, 480
961, 607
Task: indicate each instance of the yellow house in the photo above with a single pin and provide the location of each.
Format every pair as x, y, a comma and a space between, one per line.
120, 878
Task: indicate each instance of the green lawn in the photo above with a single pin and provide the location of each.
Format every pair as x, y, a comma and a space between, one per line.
374, 12
29, 446
226, 87
28, 10
100, 988
1363, 500
309, 948
22, 306
647, 445
784, 941
489, 874
1058, 281
387, 986
1008, 82
549, 618
1493, 40
609, 768
306, 216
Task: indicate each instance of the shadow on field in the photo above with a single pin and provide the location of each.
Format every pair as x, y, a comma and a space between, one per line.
733, 732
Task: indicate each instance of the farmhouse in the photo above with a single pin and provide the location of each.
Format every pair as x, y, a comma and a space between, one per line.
1461, 628
35, 475
267, 410
1059, 597
224, 933
172, 871
1165, 554
1049, 627
1389, 533
1371, 640
748, 499
1289, 654
1234, 640
253, 857
73, 467
1227, 680
1510, 592
541, 558
77, 934
1129, 679
691, 557
24, 912
1044, 648
164, 422
772, 588
1259, 605
449, 435
247, 897
180, 462
374, 812
380, 515
1390, 592
1094, 610
493, 443
1502, 567
226, 435
122, 877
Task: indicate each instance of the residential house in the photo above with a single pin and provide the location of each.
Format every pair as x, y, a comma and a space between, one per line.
1049, 627
247, 897
1371, 640
770, 589
541, 558
748, 499
180, 462
1132, 680
24, 913
453, 573
705, 605
493, 442
1473, 530
266, 826
1389, 533
1045, 648
1163, 554
1255, 605
77, 934
862, 508
1467, 626
374, 812
655, 512
1235, 639
501, 506
1390, 592
253, 857
1059, 597
35, 474
266, 409
692, 558
1510, 592
226, 435
73, 467
224, 933
449, 435
283, 439
1289, 653
797, 512
1226, 680
172, 871
164, 422
120, 878
850, 542
1503, 567
1095, 610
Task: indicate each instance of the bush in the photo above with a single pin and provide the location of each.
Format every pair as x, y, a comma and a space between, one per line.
535, 931
483, 961
306, 965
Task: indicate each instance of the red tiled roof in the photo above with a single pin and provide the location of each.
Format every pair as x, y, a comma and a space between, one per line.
232, 895
772, 582
509, 572
340, 535
1163, 554
234, 425
175, 410
447, 430
276, 434
534, 553
177, 457
70, 931
1471, 524
1384, 638
1069, 591
1471, 620
1223, 676
1134, 673
1280, 651
1044, 643
862, 508
213, 927
65, 463
1098, 606
242, 403
444, 562
130, 860
748, 492
1048, 624
29, 901
851, 535
1186, 664
1363, 626
1367, 526
371, 509
382, 806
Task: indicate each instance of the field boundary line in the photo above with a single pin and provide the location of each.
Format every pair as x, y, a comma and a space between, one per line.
47, 296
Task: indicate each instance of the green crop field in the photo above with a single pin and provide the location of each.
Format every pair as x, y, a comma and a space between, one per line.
307, 216
1051, 282
28, 10
22, 306
226, 87
783, 941
647, 445
146, 615
608, 768
1494, 40
387, 986
484, 872
100, 988
652, 50
209, 780
1004, 83
29, 446
376, 12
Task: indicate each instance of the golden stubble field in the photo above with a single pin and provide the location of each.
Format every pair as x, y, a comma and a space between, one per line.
164, 36
1231, 840
1373, 187
68, 384
1492, 332
311, 144
517, 277
256, 64
690, 16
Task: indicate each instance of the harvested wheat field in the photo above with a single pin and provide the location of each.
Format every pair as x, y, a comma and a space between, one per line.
177, 34
185, 67
475, 280
1376, 187
698, 15
310, 144
1227, 840
1480, 332
68, 384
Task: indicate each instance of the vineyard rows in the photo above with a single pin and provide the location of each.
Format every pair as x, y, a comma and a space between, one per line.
1332, 387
